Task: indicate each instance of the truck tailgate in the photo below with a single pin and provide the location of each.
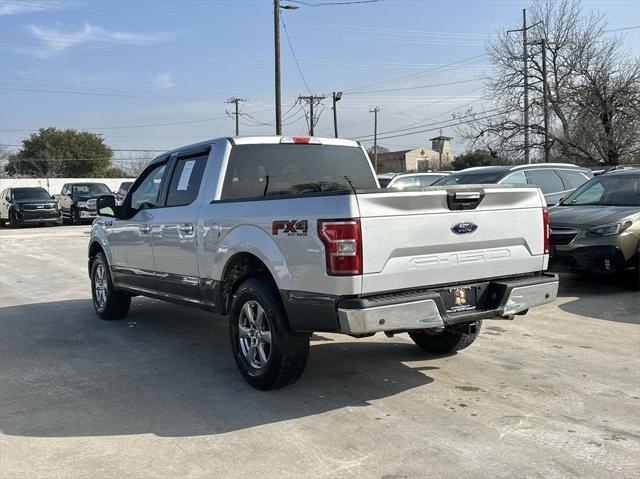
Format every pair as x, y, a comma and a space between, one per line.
408, 237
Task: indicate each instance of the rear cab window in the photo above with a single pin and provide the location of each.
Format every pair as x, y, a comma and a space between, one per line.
269, 170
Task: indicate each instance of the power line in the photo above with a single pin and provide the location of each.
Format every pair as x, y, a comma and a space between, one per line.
411, 75
326, 4
472, 115
293, 54
412, 87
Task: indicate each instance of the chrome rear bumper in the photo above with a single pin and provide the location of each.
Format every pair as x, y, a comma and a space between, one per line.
518, 295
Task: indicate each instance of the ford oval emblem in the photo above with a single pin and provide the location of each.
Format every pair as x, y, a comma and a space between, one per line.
464, 228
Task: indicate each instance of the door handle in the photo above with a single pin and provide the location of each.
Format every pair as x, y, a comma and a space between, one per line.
186, 229
145, 229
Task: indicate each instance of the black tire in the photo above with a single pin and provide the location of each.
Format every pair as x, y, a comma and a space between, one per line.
14, 222
2, 222
115, 304
287, 350
75, 217
446, 342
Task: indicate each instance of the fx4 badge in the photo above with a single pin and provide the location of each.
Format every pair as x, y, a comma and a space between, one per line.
290, 228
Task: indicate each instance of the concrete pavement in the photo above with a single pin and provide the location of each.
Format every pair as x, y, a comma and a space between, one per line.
553, 394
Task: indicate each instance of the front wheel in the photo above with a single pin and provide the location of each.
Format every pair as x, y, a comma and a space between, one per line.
14, 222
75, 217
107, 301
447, 341
268, 354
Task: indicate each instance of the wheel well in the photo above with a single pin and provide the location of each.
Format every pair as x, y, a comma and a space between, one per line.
241, 266
94, 249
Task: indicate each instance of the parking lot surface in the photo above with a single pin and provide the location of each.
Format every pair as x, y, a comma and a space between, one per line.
553, 394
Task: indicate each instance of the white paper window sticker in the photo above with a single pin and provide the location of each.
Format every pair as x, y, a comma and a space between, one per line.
183, 184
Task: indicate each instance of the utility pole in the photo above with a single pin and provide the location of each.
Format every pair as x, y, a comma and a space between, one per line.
527, 157
375, 137
276, 40
236, 100
336, 98
545, 97
276, 32
525, 60
311, 100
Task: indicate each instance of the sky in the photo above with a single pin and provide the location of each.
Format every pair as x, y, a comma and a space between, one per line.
156, 74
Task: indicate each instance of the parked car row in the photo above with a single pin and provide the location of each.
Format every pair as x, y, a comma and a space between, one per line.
35, 206
594, 221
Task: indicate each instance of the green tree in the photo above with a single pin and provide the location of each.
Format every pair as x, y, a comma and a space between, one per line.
61, 153
477, 157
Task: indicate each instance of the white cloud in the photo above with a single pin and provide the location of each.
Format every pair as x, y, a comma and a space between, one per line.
163, 81
60, 39
17, 7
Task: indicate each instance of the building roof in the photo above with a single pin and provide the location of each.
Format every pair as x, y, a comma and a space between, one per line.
441, 137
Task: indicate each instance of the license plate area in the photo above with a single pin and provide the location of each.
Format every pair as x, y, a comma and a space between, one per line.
458, 299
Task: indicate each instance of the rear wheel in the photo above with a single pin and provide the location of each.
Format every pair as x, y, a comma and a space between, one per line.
268, 354
448, 341
107, 301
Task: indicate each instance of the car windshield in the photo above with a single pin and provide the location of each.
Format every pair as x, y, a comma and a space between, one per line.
469, 178
90, 189
607, 190
21, 194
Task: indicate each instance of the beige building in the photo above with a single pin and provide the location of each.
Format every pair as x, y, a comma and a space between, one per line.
438, 157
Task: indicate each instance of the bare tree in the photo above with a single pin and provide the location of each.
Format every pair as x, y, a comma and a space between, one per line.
592, 90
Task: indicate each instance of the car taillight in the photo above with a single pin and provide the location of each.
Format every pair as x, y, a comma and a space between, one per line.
545, 227
342, 241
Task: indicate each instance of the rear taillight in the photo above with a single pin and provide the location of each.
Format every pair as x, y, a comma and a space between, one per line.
545, 227
342, 241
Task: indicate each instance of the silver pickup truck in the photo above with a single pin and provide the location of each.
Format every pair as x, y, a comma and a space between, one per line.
290, 236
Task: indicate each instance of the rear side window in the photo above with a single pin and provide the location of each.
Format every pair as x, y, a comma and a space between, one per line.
517, 178
428, 180
547, 180
292, 169
186, 180
572, 179
404, 182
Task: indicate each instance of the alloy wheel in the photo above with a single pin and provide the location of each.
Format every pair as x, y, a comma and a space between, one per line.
254, 334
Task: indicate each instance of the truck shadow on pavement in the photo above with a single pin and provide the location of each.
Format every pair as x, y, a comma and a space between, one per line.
168, 370
608, 298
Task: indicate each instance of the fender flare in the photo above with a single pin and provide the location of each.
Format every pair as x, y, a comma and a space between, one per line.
253, 240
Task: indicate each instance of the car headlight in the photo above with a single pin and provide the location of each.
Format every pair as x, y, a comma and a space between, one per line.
609, 230
81, 204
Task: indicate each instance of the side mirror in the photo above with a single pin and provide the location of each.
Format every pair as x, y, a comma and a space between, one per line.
106, 206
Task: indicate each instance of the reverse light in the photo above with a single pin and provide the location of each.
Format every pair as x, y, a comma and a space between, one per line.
342, 241
609, 230
546, 230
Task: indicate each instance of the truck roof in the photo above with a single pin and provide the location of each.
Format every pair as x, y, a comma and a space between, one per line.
264, 140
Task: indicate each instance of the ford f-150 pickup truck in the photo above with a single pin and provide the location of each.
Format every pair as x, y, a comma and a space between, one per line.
290, 236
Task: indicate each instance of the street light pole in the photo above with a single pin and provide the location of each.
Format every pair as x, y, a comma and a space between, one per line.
336, 98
